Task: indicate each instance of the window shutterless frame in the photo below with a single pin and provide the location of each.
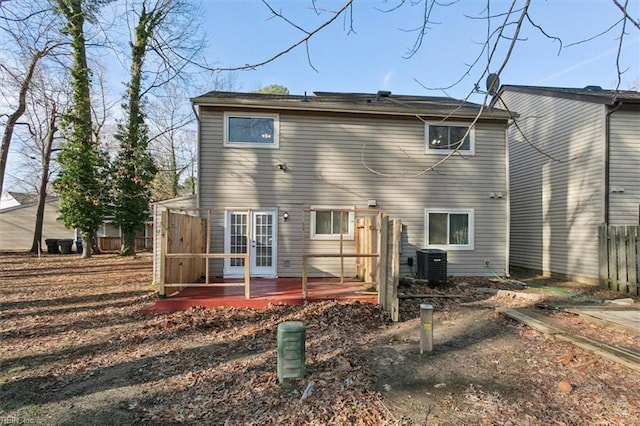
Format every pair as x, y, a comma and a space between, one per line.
329, 229
441, 138
254, 130
449, 229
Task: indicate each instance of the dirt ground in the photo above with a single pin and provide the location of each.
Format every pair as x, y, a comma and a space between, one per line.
76, 350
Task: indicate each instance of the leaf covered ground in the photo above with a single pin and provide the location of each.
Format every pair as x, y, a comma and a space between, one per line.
76, 350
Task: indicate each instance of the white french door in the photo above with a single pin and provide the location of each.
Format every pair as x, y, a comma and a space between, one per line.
263, 241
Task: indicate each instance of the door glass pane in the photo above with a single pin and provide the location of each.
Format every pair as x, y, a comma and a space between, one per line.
238, 234
459, 228
263, 237
438, 228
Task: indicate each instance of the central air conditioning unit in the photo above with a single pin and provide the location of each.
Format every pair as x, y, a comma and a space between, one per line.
432, 266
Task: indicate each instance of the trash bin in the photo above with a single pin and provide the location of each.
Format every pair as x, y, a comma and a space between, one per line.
65, 246
52, 245
79, 246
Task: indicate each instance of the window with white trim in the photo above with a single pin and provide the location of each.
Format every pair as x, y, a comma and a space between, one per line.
444, 138
326, 223
251, 130
450, 229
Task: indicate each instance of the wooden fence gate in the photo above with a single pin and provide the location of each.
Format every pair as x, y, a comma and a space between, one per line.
620, 258
186, 252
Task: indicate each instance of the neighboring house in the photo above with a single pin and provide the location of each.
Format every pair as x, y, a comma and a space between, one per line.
577, 168
281, 155
13, 199
17, 225
110, 235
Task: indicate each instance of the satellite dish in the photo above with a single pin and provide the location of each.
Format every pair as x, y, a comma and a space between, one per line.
493, 83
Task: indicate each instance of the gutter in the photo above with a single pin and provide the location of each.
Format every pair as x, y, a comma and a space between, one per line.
607, 160
452, 111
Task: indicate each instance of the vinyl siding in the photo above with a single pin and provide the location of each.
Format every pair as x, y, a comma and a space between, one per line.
17, 225
331, 159
624, 154
556, 193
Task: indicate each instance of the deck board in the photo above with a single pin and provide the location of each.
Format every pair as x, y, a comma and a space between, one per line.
264, 292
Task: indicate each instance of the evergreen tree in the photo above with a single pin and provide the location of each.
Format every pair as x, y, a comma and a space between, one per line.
134, 168
78, 186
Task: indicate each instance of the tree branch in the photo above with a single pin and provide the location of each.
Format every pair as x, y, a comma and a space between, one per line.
304, 40
625, 14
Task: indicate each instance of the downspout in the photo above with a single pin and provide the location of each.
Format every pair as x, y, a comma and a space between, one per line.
198, 156
607, 165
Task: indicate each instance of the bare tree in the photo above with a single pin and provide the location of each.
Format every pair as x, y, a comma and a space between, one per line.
30, 33
172, 124
47, 146
46, 102
173, 134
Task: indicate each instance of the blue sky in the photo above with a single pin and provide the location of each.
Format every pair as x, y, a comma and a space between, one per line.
371, 58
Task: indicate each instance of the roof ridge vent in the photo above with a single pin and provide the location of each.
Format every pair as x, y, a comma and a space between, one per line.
382, 94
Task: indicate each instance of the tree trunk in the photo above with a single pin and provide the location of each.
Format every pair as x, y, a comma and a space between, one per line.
128, 247
86, 245
95, 247
44, 180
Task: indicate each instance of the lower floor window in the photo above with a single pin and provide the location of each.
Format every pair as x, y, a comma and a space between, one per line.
328, 224
449, 228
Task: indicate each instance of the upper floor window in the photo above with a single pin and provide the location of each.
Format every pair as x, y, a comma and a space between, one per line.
251, 130
328, 223
449, 228
444, 138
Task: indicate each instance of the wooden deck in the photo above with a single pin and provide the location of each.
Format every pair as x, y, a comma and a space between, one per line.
264, 292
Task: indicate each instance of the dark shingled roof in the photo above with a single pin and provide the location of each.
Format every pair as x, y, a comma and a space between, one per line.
361, 103
594, 94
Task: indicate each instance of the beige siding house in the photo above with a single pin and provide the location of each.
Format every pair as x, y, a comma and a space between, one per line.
574, 164
17, 225
283, 155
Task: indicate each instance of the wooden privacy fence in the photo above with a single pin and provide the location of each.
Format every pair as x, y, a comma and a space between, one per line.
186, 252
115, 243
620, 258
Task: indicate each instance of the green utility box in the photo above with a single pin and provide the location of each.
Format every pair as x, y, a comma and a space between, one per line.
291, 350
